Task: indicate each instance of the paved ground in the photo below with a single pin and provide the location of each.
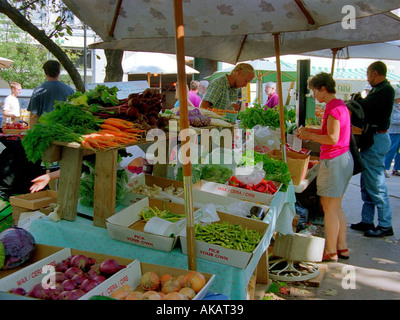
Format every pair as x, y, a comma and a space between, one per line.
374, 262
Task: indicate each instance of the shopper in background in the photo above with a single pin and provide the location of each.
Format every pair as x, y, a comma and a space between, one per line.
394, 134
366, 90
273, 98
377, 106
203, 84
189, 103
44, 96
193, 90
336, 163
222, 93
11, 108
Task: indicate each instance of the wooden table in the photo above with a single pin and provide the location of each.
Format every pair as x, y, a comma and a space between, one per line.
70, 156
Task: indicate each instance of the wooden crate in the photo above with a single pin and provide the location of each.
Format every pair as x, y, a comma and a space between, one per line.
31, 202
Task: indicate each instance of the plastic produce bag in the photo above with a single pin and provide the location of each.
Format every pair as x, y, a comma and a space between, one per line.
250, 174
26, 218
303, 213
205, 214
266, 136
236, 208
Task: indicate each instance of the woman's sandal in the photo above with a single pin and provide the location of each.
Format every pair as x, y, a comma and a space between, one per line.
341, 256
329, 257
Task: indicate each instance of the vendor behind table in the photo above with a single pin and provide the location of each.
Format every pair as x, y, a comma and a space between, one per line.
222, 93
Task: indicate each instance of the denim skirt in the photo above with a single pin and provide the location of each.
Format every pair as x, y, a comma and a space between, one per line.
334, 175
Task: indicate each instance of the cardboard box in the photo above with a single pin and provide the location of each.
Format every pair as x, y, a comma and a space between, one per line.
148, 180
297, 163
299, 247
225, 204
132, 274
34, 273
31, 202
231, 257
236, 192
127, 226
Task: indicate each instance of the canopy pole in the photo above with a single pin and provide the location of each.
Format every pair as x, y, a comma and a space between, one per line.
115, 18
307, 14
259, 87
334, 53
184, 124
279, 85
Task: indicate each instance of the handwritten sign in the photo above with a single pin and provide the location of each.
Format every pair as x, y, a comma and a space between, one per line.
344, 88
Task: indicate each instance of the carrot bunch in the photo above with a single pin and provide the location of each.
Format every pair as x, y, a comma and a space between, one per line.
114, 132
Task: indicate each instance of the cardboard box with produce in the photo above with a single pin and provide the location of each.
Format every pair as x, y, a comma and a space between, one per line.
145, 185
67, 274
150, 223
232, 240
229, 205
144, 281
237, 192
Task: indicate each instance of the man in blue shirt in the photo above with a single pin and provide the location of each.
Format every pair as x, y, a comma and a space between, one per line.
44, 96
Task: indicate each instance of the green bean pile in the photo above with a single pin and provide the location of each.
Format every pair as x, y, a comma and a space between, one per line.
149, 213
231, 236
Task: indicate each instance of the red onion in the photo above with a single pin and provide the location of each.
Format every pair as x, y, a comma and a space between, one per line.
79, 278
67, 295
54, 293
99, 279
71, 272
20, 291
79, 292
37, 292
68, 285
62, 266
79, 261
88, 285
91, 261
109, 267
60, 277
92, 274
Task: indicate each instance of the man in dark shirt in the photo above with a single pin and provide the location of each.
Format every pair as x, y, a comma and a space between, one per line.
378, 108
44, 95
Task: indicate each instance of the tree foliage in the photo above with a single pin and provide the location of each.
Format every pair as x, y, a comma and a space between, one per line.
28, 58
20, 12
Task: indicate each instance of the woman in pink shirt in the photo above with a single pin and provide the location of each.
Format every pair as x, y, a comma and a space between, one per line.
193, 96
336, 163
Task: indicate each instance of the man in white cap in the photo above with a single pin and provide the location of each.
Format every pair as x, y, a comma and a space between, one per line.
273, 98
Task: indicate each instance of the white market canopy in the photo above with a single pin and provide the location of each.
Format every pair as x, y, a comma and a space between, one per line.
237, 30
382, 51
152, 62
5, 63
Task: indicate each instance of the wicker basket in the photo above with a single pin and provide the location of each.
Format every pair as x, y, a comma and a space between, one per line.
14, 131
